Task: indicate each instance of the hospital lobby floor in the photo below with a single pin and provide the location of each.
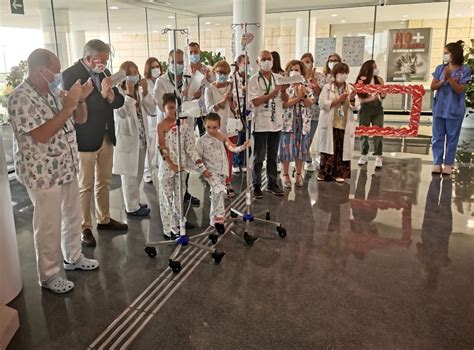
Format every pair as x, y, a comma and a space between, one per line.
384, 261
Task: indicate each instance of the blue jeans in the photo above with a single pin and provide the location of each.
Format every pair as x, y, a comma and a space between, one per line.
238, 159
445, 133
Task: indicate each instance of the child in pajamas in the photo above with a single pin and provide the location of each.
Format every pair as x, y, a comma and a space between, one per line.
168, 168
213, 164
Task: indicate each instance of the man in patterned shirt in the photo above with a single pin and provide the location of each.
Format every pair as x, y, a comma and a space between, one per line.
46, 162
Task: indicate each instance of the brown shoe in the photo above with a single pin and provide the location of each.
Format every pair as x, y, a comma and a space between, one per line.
87, 238
113, 226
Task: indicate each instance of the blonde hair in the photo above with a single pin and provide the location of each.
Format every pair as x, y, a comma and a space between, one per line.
222, 65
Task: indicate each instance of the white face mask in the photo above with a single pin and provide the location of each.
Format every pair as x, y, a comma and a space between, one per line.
331, 65
341, 78
446, 58
266, 65
376, 72
309, 66
294, 73
155, 72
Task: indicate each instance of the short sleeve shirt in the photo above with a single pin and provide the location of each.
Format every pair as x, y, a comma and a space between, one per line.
267, 117
447, 103
38, 165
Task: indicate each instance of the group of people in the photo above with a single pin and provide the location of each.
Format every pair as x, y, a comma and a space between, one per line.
73, 129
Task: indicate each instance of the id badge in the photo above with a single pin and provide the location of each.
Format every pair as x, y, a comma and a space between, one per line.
70, 137
341, 112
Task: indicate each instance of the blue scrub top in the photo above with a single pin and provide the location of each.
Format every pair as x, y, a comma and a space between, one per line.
447, 103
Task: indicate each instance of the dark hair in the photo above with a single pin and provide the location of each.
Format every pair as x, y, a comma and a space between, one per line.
276, 68
326, 67
169, 98
40, 57
148, 63
367, 71
195, 44
457, 52
212, 117
340, 68
309, 55
240, 58
178, 51
294, 63
126, 66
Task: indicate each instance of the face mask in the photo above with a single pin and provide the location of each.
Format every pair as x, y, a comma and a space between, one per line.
194, 58
294, 73
341, 78
376, 72
446, 58
99, 68
222, 78
309, 66
331, 65
179, 68
155, 72
56, 83
133, 78
266, 65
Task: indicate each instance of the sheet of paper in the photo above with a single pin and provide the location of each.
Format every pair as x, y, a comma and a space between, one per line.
118, 77
195, 83
290, 80
191, 109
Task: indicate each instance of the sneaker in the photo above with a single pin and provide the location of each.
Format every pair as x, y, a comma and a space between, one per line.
363, 160
172, 235
436, 169
236, 170
257, 192
339, 180
243, 169
275, 190
279, 167
378, 162
310, 167
142, 211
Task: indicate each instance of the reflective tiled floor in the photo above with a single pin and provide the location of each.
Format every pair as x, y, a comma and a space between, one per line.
383, 262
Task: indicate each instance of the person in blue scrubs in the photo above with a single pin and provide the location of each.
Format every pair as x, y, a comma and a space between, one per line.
449, 106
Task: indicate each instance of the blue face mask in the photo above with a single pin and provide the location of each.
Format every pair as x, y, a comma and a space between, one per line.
222, 78
133, 78
194, 58
179, 68
56, 83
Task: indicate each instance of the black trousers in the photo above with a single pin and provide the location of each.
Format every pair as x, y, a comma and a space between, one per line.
265, 145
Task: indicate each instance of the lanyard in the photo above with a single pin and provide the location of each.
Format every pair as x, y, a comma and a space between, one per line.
180, 84
45, 99
268, 85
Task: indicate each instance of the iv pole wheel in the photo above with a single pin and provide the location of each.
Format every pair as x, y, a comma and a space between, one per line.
217, 257
249, 239
233, 215
213, 238
151, 251
268, 216
175, 266
281, 231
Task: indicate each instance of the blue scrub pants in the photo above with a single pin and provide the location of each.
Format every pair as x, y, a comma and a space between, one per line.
445, 134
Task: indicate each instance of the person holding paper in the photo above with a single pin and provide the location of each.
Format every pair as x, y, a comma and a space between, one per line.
46, 161
200, 76
295, 136
219, 99
267, 115
96, 138
151, 73
132, 137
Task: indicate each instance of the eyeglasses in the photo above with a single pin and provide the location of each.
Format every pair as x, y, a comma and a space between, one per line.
334, 61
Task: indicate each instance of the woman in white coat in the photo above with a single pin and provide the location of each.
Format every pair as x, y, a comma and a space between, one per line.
152, 72
336, 128
131, 130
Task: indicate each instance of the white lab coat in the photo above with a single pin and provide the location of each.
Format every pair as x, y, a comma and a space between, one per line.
324, 133
126, 129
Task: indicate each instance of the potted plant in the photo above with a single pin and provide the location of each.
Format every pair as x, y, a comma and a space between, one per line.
468, 122
210, 58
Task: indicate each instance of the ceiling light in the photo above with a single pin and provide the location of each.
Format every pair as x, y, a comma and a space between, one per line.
208, 23
171, 17
405, 16
119, 27
168, 25
217, 24
155, 31
343, 21
167, 3
403, 22
113, 8
334, 15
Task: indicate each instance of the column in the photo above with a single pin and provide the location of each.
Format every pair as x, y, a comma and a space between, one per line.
78, 41
62, 30
299, 40
10, 276
250, 11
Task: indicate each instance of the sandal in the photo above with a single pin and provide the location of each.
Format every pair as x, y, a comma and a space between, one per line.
230, 191
58, 285
82, 263
286, 181
321, 178
299, 180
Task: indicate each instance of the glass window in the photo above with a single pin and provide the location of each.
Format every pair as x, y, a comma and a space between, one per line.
216, 35
160, 44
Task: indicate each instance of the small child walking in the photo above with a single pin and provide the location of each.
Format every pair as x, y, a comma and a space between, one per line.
212, 163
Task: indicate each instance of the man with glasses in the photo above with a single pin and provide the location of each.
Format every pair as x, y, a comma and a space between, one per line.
46, 162
96, 138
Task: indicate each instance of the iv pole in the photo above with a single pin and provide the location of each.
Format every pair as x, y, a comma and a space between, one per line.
183, 239
236, 215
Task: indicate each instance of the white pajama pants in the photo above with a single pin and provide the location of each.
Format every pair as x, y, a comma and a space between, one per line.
57, 227
131, 185
218, 195
169, 201
152, 145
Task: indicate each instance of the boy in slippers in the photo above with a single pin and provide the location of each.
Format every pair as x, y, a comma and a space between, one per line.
43, 119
